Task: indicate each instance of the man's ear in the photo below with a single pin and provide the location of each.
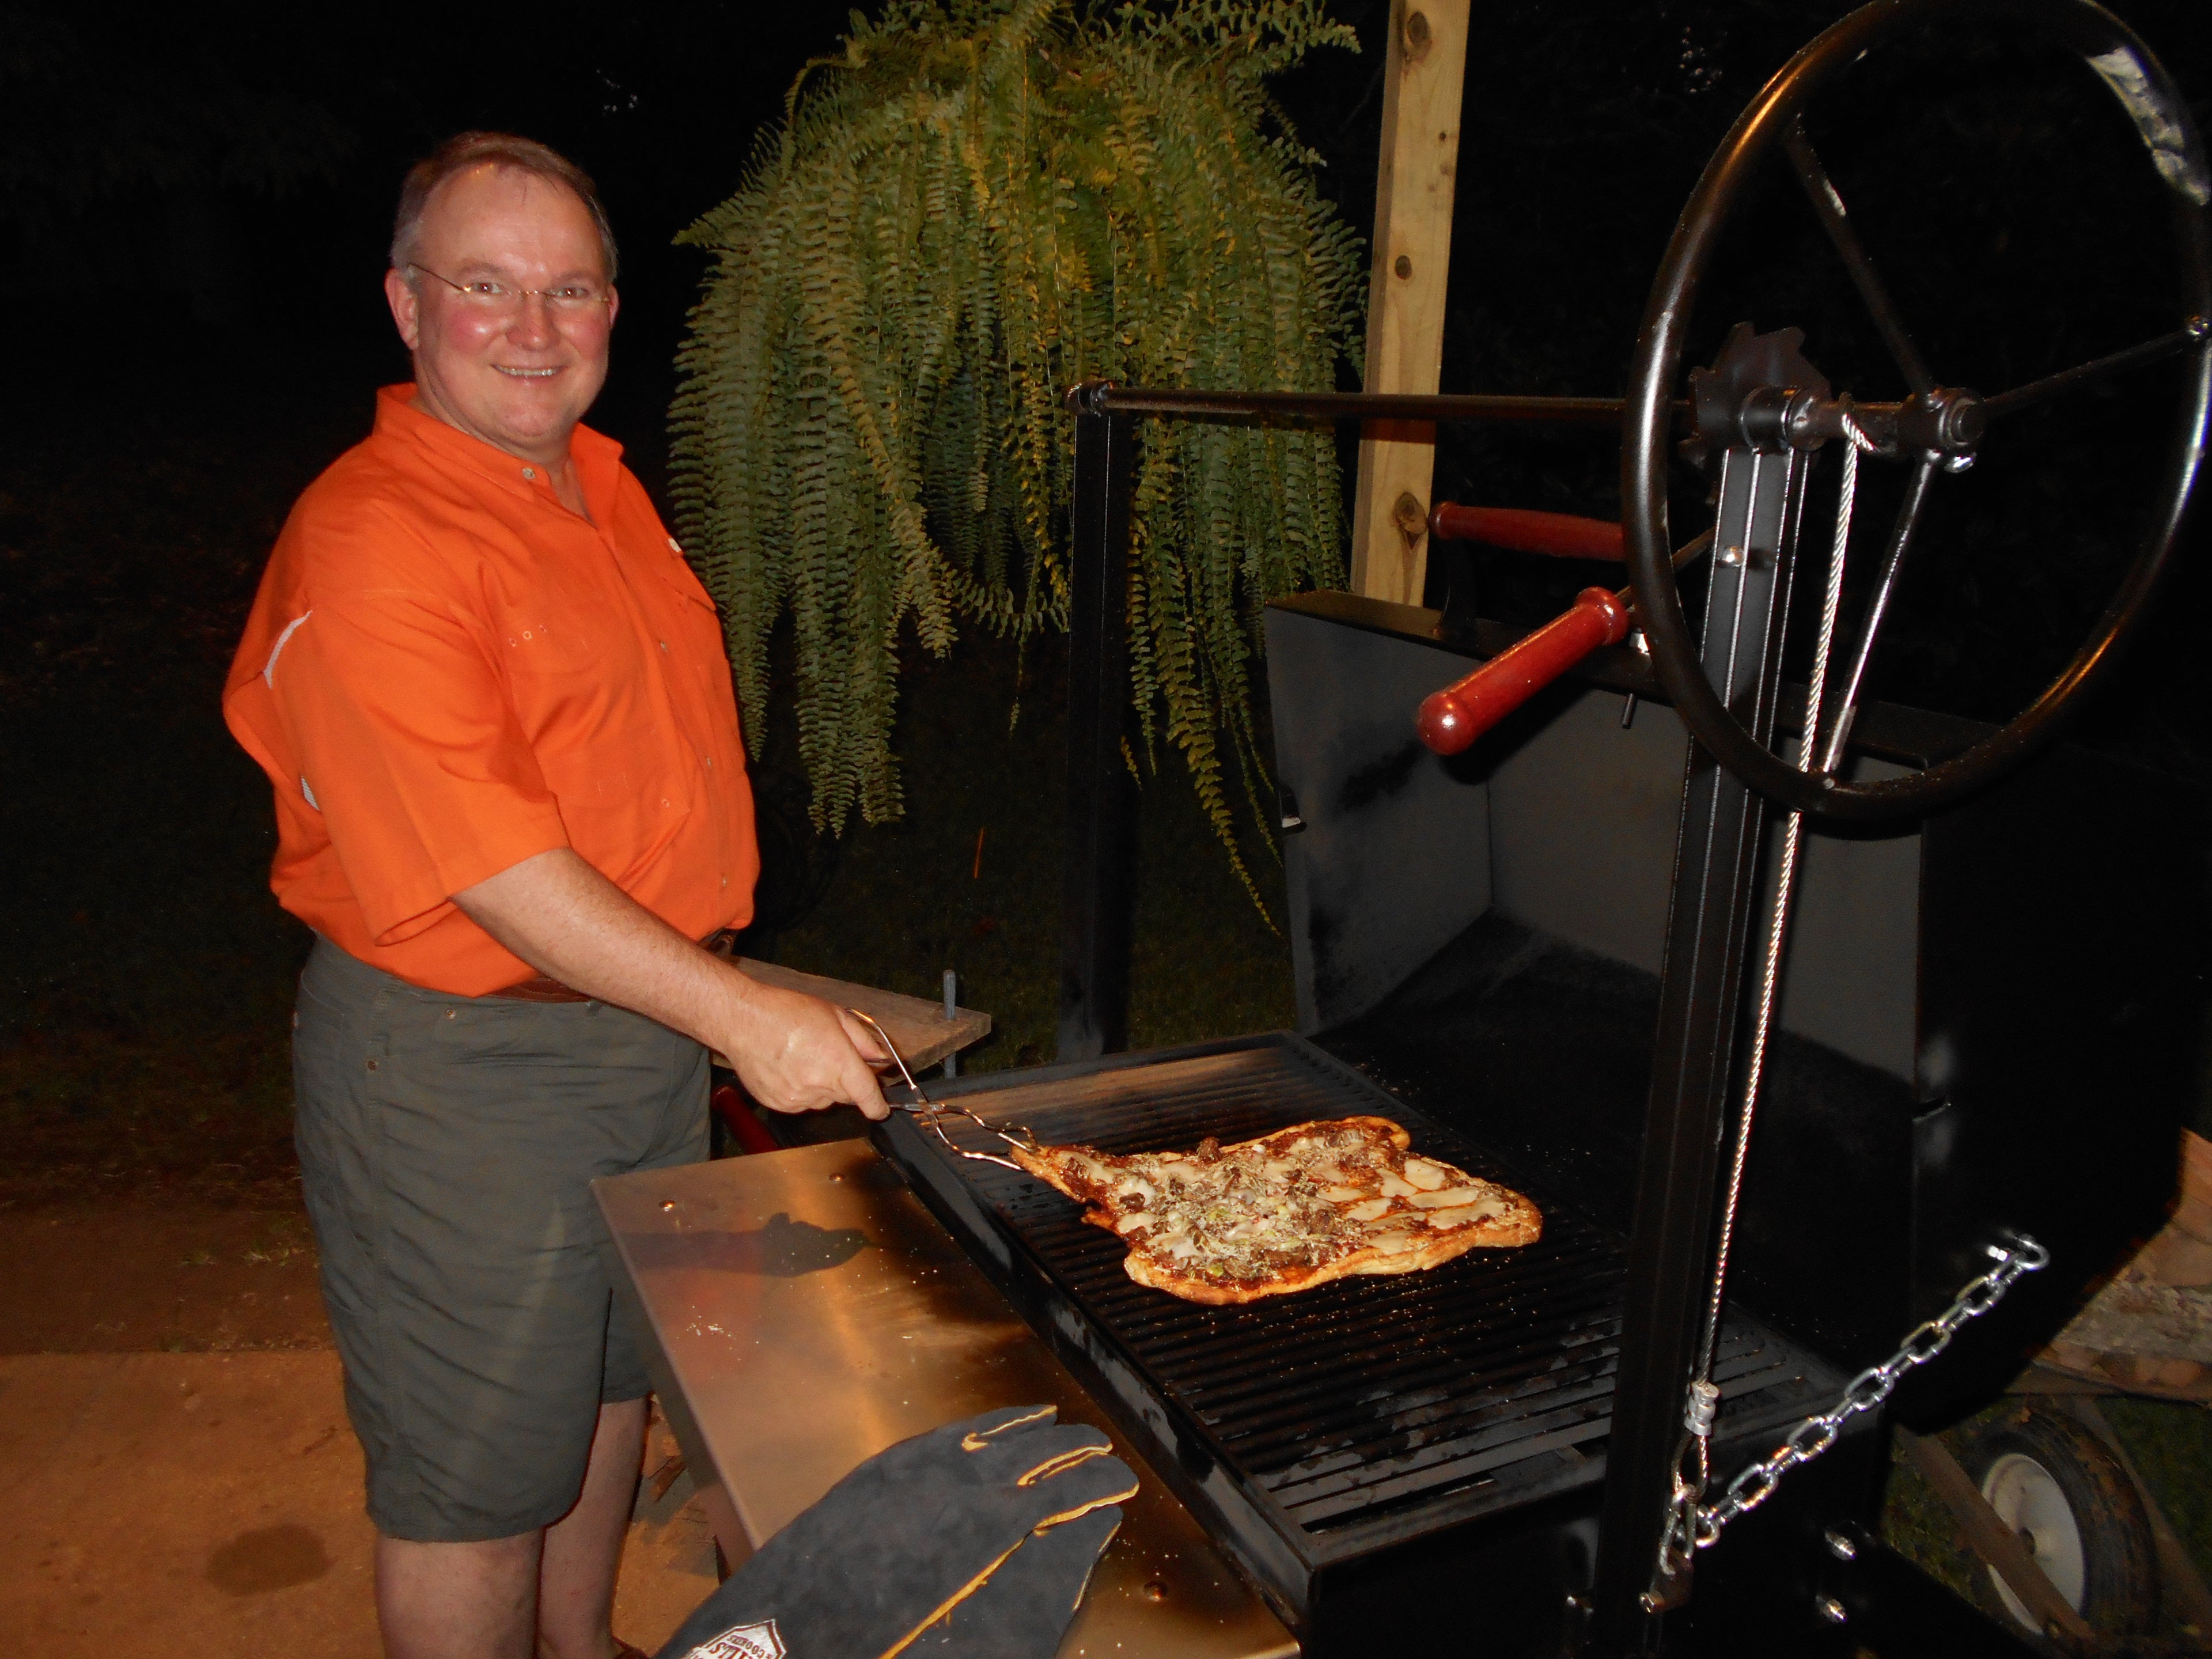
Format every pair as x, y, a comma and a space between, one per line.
406, 307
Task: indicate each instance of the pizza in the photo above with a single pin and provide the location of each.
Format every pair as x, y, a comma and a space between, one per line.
1288, 1211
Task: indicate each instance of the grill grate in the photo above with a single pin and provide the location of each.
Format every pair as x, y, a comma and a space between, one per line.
1367, 1408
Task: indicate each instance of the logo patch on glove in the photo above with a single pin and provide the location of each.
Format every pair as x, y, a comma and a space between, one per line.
741, 1642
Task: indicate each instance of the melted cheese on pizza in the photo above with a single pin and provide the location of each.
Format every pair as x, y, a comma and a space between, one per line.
1295, 1208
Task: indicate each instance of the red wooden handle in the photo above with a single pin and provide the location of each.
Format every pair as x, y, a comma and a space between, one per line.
738, 1112
1454, 717
1563, 535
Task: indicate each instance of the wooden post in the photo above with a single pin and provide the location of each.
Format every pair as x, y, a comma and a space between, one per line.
1413, 183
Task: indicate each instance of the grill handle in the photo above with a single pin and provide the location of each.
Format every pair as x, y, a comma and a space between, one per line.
1562, 535
1454, 717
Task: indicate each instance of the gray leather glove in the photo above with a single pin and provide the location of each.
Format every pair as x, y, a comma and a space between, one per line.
909, 1537
1023, 1609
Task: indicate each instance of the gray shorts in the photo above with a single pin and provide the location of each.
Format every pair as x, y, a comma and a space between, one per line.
445, 1142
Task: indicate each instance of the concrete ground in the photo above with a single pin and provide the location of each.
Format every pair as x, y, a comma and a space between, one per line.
207, 1504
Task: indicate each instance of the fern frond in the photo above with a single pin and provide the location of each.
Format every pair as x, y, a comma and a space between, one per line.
974, 204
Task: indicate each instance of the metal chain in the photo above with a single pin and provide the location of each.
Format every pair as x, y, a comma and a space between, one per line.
1869, 1389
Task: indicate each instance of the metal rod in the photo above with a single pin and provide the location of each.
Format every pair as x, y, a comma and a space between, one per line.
1696, 548
1901, 537
1103, 397
2192, 333
951, 1014
1828, 204
1097, 880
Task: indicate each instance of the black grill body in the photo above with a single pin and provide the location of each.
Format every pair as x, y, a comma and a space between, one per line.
1988, 1026
1989, 1022
1349, 1443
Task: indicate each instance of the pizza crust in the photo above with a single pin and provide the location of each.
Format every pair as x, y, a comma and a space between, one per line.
1286, 1211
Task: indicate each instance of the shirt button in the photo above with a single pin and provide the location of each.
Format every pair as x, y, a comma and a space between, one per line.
664, 804
710, 763
725, 881
664, 645
531, 473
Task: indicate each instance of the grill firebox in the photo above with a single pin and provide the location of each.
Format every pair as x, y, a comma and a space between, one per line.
1406, 1463
1322, 1431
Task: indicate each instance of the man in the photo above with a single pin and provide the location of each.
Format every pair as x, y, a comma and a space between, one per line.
511, 798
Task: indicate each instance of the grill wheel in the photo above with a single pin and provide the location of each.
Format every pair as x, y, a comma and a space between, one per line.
2055, 1483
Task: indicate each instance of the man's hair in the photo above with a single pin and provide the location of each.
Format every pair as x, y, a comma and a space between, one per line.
499, 150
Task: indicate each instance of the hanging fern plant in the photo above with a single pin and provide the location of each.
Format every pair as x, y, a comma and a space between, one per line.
979, 204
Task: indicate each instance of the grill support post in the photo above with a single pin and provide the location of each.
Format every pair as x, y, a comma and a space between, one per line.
1096, 884
1715, 891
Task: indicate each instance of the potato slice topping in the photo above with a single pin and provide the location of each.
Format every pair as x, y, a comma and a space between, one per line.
1450, 1198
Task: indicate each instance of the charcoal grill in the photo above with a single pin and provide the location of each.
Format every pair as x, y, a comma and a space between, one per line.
1531, 951
1326, 1438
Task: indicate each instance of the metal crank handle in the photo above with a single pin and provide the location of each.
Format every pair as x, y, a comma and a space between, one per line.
1560, 535
1454, 717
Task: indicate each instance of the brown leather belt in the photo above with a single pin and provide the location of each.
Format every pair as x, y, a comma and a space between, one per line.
543, 988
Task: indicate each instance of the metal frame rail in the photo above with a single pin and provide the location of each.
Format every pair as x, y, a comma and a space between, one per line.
1096, 891
1716, 871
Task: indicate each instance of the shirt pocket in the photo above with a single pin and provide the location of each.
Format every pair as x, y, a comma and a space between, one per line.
618, 774
695, 636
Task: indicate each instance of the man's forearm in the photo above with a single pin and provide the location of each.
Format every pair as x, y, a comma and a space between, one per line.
565, 919
569, 922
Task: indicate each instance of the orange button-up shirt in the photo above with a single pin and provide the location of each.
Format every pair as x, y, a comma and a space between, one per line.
447, 671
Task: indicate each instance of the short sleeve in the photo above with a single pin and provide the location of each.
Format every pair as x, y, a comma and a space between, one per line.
410, 749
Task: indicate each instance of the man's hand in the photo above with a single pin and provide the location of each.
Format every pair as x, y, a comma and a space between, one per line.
794, 1052
798, 1052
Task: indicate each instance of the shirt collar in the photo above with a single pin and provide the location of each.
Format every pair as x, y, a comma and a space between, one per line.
597, 458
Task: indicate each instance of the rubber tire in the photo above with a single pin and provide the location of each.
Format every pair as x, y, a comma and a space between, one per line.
2119, 1597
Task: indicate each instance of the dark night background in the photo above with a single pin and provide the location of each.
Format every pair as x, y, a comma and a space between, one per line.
194, 207
195, 202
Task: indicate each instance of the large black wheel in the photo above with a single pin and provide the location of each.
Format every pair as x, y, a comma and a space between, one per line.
2062, 1491
1938, 427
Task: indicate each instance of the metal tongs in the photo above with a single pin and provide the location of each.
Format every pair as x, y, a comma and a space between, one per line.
932, 1112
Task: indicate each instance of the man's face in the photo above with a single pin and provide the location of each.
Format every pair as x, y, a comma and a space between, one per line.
519, 380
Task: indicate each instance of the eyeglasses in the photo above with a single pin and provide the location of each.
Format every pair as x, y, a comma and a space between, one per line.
497, 298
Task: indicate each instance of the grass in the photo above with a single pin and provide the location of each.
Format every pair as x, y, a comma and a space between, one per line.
2170, 1443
